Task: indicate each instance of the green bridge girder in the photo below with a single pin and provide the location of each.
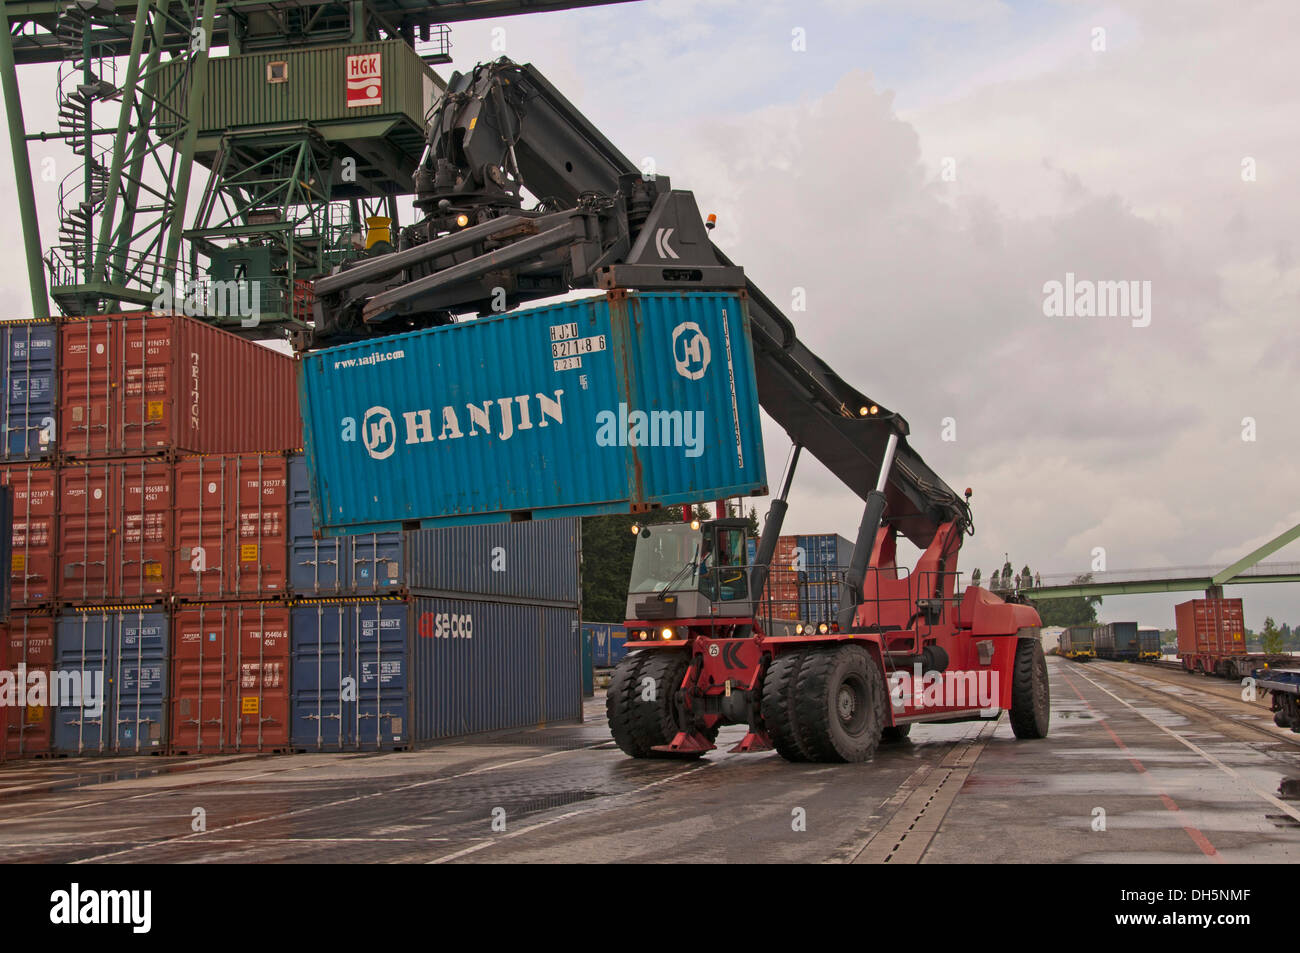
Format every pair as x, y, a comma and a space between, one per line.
1229, 576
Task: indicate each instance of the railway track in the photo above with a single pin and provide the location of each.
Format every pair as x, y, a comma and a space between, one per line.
1228, 707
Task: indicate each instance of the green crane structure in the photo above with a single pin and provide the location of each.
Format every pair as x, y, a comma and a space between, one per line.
225, 151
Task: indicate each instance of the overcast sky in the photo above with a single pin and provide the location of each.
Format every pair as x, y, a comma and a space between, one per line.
922, 168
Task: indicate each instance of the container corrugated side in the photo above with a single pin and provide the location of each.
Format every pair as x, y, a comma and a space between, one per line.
535, 561
314, 90
349, 674
486, 666
126, 651
602, 405
147, 383
29, 385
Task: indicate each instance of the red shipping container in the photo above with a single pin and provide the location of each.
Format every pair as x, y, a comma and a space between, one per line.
232, 521
1211, 627
32, 568
115, 538
27, 649
230, 678
145, 383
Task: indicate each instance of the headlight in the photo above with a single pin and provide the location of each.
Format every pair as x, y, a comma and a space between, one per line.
798, 629
667, 633
823, 628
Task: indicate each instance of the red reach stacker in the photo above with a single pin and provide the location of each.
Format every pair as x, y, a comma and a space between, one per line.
711, 645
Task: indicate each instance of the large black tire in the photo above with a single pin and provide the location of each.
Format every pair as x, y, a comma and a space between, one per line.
1031, 699
780, 688
637, 724
841, 695
895, 734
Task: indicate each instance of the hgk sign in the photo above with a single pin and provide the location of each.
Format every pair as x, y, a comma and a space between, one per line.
365, 80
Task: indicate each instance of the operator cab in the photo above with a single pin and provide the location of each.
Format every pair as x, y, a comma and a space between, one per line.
689, 570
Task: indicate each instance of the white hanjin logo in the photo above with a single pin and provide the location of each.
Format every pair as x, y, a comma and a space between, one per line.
379, 432
692, 356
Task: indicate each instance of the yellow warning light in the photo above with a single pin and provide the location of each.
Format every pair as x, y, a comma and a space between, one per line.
462, 219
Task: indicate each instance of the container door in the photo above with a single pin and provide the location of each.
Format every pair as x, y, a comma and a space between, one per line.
140, 688
86, 387
376, 562
88, 514
82, 653
319, 633
260, 686
316, 566
201, 659
258, 565
380, 674
144, 529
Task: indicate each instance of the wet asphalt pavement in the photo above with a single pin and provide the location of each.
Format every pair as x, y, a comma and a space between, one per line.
1138, 766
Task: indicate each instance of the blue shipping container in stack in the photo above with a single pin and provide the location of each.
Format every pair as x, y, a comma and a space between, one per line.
608, 642
368, 563
592, 406
117, 660
424, 668
826, 556
30, 375
486, 666
349, 674
534, 562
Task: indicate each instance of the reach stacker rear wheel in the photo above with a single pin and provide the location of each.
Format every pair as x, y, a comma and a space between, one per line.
840, 696
1031, 701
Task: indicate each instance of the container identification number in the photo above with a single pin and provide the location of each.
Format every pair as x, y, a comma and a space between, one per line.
577, 347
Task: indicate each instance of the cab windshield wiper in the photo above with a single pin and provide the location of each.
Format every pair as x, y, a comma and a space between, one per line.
662, 593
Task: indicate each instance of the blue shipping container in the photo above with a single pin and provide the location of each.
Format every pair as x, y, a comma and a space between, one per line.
424, 668
534, 561
348, 674
487, 666
30, 378
586, 407
826, 556
608, 642
124, 652
368, 563
819, 602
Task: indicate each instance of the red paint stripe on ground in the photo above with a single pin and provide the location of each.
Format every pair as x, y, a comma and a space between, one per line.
1199, 839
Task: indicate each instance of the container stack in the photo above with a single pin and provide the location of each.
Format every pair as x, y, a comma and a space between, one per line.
826, 557
804, 581
165, 566
147, 459
28, 415
398, 638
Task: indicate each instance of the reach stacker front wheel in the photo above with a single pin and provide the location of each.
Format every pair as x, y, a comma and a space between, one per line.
1031, 702
641, 702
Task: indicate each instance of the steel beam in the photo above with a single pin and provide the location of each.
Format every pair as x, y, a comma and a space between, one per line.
198, 88
22, 172
1245, 562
